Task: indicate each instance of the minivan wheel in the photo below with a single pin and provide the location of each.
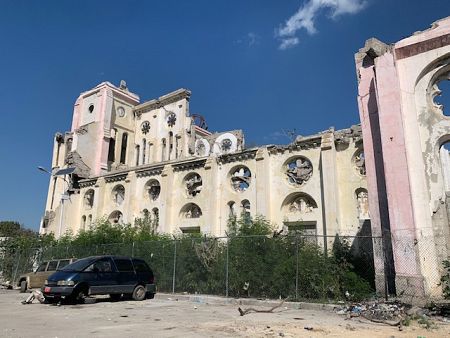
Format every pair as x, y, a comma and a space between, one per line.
23, 286
139, 293
79, 296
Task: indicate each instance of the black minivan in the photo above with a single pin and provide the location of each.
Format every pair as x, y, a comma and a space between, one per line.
100, 275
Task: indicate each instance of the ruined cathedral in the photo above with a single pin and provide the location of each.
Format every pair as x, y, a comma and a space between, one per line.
123, 159
388, 176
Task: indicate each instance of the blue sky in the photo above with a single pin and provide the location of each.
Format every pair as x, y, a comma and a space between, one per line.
246, 66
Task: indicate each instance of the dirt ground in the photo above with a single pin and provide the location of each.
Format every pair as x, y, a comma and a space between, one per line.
166, 317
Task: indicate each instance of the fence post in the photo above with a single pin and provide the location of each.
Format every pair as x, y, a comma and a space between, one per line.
296, 270
226, 268
17, 267
174, 266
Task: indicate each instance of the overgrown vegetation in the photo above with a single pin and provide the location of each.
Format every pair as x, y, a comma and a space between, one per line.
252, 261
445, 279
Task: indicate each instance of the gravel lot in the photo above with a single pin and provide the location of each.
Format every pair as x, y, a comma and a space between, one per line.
167, 317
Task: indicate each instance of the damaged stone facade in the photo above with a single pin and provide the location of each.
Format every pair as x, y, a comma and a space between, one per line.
405, 135
155, 159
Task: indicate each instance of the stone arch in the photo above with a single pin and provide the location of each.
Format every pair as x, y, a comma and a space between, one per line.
152, 189
298, 170
116, 217
83, 222
191, 210
193, 184
118, 194
231, 209
240, 178
246, 207
362, 203
88, 199
299, 202
359, 161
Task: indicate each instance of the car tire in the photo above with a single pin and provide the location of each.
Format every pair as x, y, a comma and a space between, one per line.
23, 286
139, 293
79, 295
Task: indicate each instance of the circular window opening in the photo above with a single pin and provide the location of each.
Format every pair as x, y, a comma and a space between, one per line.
193, 184
153, 189
145, 127
118, 194
298, 170
240, 178
91, 108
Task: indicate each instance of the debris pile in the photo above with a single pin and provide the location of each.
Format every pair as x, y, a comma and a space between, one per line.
391, 313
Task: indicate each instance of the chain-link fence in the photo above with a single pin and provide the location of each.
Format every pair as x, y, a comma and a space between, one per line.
292, 266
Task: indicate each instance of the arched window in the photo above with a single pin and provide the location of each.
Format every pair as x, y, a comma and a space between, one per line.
144, 144
245, 208
152, 189
137, 155
90, 220
231, 209
123, 148
155, 216
89, 199
193, 182
444, 154
118, 194
362, 201
83, 222
170, 145
115, 217
163, 149
112, 146
191, 210
240, 178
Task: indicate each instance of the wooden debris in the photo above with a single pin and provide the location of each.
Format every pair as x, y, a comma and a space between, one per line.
250, 309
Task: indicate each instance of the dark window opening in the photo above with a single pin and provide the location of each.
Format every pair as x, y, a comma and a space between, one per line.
123, 148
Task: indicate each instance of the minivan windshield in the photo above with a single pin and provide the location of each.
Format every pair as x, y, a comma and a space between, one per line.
79, 265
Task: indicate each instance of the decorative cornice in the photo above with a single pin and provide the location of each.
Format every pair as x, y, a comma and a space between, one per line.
238, 157
175, 96
87, 183
190, 165
116, 177
149, 171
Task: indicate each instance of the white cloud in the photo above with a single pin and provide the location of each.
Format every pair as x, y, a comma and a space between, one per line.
288, 43
250, 39
305, 17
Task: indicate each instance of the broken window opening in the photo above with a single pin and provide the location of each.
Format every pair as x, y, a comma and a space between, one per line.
245, 209
118, 194
155, 216
89, 199
137, 155
123, 148
83, 222
116, 217
90, 220
144, 144
163, 150
441, 95
170, 145
444, 154
191, 210
298, 170
193, 184
299, 203
359, 161
362, 201
241, 178
231, 209
153, 189
111, 149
